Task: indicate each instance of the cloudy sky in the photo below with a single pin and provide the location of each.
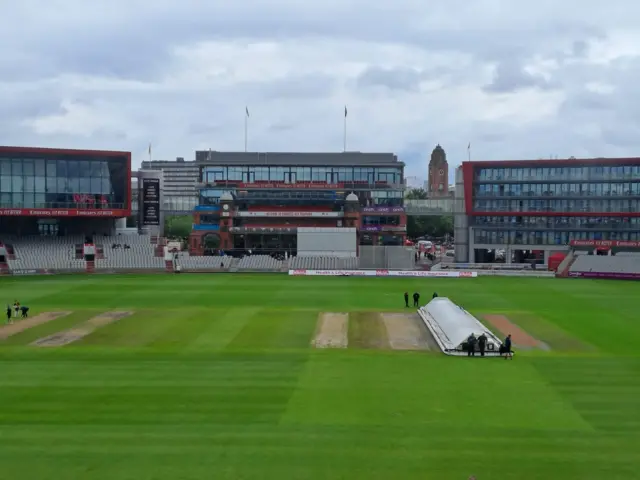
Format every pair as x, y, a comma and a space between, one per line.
517, 79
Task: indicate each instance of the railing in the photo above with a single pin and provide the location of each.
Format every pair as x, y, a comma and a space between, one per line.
433, 206
558, 226
558, 178
515, 213
547, 195
306, 185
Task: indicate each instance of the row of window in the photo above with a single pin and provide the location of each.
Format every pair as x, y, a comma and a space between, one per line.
548, 238
247, 174
558, 173
37, 184
20, 167
54, 200
558, 189
211, 196
599, 206
617, 223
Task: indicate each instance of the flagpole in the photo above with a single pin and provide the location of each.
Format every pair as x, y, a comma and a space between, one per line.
344, 146
246, 128
149, 152
469, 152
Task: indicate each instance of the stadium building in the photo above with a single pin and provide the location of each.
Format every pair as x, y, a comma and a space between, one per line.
178, 185
57, 192
260, 200
535, 208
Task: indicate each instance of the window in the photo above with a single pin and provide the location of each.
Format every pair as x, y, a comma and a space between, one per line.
5, 167
16, 167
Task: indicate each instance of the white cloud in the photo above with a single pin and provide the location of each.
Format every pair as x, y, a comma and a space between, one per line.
517, 80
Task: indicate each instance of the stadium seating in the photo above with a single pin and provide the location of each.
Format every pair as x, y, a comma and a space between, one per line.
140, 255
45, 253
259, 262
606, 264
323, 263
187, 262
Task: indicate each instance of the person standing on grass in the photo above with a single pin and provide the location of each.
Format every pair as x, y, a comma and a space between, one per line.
9, 314
25, 311
406, 299
482, 343
471, 346
416, 299
507, 347
16, 308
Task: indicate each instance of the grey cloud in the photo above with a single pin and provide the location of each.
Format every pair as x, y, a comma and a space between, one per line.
296, 87
402, 78
139, 45
281, 127
129, 40
510, 76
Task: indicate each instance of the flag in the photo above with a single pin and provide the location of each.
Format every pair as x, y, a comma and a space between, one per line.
469, 146
149, 149
246, 109
345, 111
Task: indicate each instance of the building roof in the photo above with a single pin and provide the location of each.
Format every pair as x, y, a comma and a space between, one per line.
62, 151
553, 163
298, 159
352, 197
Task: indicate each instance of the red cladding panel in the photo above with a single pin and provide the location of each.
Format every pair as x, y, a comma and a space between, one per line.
467, 178
563, 162
604, 243
63, 212
64, 151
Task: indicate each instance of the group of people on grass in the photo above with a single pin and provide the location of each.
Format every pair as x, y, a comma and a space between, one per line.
472, 341
16, 311
481, 341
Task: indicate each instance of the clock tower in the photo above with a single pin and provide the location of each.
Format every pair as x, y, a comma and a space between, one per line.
438, 173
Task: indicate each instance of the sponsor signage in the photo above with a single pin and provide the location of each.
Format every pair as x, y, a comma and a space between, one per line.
382, 273
604, 243
150, 201
61, 212
380, 228
263, 229
276, 185
32, 272
610, 275
291, 214
383, 210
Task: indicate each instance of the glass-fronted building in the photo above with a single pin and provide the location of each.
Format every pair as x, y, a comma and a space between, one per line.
546, 204
54, 183
283, 191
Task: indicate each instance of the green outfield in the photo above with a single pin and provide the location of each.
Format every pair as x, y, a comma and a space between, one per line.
215, 376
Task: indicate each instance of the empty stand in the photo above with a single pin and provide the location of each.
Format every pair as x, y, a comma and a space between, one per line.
52, 253
323, 263
188, 262
259, 262
606, 264
141, 253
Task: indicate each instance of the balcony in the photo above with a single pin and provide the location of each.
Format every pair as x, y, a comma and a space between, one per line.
311, 185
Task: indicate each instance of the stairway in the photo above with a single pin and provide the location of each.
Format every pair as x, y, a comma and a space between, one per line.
168, 265
91, 266
563, 268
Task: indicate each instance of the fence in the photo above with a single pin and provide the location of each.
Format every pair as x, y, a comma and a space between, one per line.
390, 258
